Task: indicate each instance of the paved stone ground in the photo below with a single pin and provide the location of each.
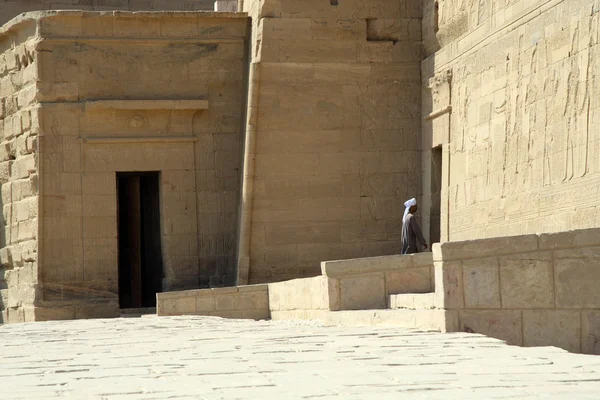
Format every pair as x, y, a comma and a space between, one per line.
209, 358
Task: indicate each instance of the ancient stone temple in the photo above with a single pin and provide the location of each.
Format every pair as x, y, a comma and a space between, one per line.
121, 146
157, 146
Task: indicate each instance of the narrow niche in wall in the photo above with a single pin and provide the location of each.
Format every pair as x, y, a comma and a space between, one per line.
436, 194
139, 239
333, 2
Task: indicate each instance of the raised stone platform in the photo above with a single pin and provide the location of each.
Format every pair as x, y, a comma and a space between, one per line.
247, 302
532, 290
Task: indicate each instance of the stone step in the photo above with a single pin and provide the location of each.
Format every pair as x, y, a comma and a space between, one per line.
412, 301
431, 320
137, 312
418, 319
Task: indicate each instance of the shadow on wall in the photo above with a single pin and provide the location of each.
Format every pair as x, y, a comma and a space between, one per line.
431, 26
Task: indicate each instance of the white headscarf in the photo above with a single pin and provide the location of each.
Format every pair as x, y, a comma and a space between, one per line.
408, 204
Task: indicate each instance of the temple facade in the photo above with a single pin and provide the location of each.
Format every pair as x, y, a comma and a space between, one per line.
158, 146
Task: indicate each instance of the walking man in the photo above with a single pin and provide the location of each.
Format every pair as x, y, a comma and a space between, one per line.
410, 229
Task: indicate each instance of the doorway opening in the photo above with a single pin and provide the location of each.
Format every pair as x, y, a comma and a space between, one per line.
139, 239
436, 195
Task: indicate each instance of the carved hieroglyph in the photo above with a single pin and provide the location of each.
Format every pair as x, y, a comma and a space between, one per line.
523, 151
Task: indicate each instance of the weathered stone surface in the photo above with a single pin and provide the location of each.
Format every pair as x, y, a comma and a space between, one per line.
318, 293
363, 292
336, 130
224, 303
576, 282
343, 120
552, 328
176, 306
11, 8
500, 324
410, 280
402, 273
53, 314
449, 287
578, 238
590, 332
92, 124
99, 311
413, 301
365, 265
481, 279
235, 302
311, 361
526, 281
485, 248
203, 304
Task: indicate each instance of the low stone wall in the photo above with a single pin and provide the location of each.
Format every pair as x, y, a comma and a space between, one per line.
55, 311
366, 283
246, 302
356, 284
318, 293
532, 290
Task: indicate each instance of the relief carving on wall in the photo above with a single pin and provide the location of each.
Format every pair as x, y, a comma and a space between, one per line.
440, 87
23, 57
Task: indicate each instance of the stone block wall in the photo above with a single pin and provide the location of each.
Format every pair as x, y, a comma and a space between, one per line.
247, 302
101, 97
367, 283
533, 290
357, 292
355, 284
520, 149
333, 133
19, 159
302, 295
11, 8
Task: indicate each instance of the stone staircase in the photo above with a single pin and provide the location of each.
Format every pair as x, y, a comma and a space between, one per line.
413, 310
529, 290
390, 290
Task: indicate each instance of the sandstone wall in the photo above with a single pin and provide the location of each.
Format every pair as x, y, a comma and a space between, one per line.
11, 8
19, 130
245, 302
520, 145
367, 283
532, 290
332, 147
118, 93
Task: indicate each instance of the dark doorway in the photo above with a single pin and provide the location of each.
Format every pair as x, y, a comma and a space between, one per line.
140, 255
436, 195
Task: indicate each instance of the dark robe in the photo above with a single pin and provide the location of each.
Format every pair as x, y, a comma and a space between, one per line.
411, 233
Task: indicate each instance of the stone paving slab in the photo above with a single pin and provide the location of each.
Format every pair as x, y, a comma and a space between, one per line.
212, 358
